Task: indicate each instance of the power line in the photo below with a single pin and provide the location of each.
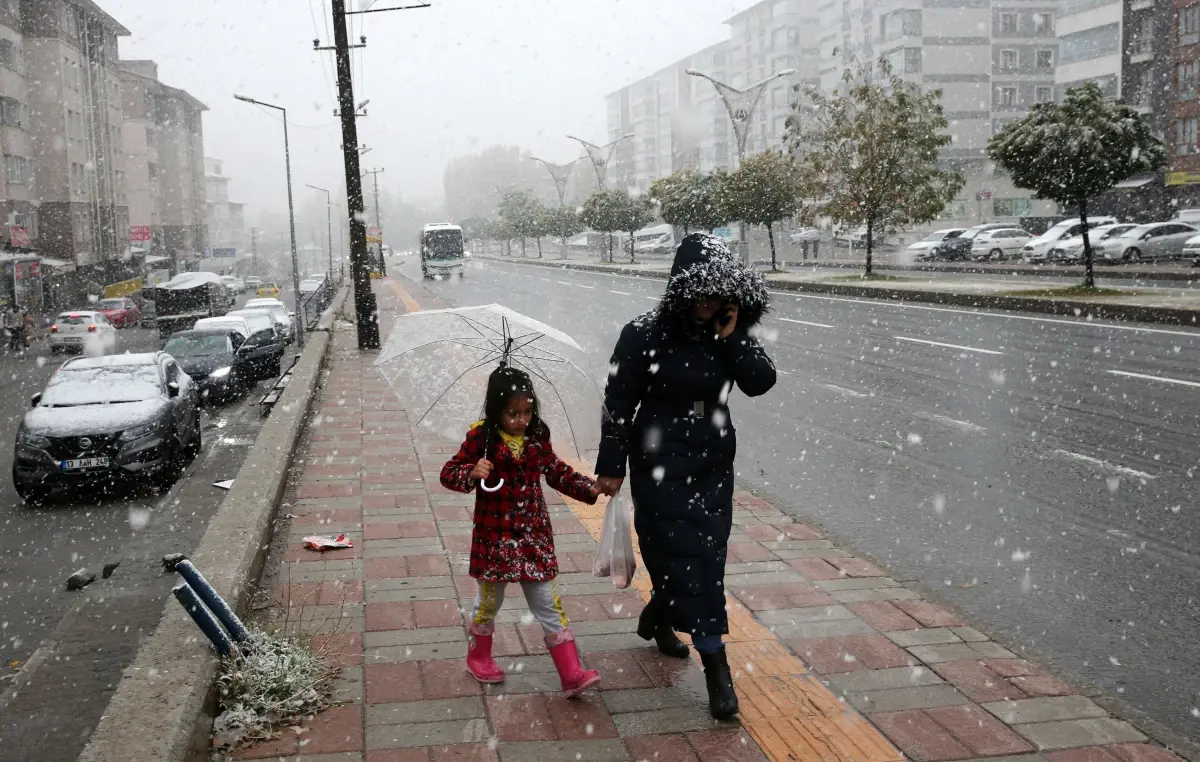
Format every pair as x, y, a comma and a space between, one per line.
324, 74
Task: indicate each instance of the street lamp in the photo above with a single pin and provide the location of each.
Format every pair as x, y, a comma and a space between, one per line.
328, 227
740, 103
601, 156
560, 173
287, 159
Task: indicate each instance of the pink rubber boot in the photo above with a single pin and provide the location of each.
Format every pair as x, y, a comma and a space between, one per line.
575, 679
480, 663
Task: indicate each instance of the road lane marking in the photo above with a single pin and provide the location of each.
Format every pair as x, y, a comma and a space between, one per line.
564, 283
1105, 464
580, 285
844, 390
952, 421
622, 293
805, 322
410, 304
948, 346
655, 298
1164, 379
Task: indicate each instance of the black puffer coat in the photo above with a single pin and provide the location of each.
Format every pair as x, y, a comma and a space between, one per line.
668, 414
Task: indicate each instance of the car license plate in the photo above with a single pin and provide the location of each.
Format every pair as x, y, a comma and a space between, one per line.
79, 463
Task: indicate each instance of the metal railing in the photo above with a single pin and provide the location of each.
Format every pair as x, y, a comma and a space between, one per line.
314, 304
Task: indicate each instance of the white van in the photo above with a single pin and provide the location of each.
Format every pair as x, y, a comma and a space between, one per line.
442, 250
656, 239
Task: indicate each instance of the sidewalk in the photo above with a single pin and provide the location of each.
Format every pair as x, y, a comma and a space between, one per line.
834, 660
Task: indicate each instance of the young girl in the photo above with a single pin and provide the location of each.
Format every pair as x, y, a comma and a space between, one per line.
512, 540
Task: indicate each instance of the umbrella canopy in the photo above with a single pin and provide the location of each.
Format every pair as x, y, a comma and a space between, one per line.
438, 362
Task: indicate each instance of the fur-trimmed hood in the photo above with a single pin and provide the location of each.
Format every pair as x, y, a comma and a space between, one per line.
705, 268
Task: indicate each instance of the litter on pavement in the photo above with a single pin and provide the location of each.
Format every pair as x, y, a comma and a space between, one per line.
80, 579
319, 543
226, 484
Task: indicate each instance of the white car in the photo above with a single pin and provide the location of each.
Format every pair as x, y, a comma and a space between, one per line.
310, 286
804, 235
1071, 249
224, 323
283, 318
1158, 240
1191, 249
83, 331
923, 249
233, 284
1038, 250
257, 319
999, 244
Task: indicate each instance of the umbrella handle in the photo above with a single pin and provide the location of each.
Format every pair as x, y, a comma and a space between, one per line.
486, 488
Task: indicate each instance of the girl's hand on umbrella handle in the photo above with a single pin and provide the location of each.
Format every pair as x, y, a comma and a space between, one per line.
486, 488
609, 485
482, 470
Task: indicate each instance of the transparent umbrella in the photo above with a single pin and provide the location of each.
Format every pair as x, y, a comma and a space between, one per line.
438, 362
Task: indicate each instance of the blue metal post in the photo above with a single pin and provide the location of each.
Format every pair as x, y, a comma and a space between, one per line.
215, 602
202, 617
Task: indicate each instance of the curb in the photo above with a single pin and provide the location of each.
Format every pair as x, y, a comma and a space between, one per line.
158, 712
1112, 273
1068, 307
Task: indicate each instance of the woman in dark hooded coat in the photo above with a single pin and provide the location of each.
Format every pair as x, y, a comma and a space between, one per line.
668, 414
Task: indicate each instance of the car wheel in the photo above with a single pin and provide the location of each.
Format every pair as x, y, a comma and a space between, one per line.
996, 254
1133, 255
32, 494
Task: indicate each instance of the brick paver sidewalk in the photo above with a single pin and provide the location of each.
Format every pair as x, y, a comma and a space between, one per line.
833, 659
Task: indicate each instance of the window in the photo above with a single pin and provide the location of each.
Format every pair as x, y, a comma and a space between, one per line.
1045, 59
8, 54
1043, 94
903, 23
1090, 43
10, 112
912, 60
16, 168
1008, 60
1144, 43
1012, 207
1189, 24
1186, 77
1008, 23
1185, 135
1043, 24
1008, 96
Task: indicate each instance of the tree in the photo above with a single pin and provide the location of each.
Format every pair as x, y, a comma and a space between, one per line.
1072, 151
873, 143
519, 210
601, 212
634, 212
690, 199
563, 222
545, 222
764, 190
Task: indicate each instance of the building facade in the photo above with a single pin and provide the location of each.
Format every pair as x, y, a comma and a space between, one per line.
1183, 131
226, 219
163, 143
17, 199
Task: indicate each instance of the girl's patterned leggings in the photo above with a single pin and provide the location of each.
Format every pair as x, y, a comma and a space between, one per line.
542, 597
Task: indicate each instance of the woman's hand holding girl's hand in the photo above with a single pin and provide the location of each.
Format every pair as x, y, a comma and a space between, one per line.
608, 485
482, 470
594, 490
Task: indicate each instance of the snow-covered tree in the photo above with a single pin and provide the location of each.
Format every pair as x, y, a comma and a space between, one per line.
873, 144
520, 210
600, 212
1073, 151
691, 199
765, 190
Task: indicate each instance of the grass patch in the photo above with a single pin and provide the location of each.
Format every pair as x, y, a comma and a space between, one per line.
1072, 291
870, 278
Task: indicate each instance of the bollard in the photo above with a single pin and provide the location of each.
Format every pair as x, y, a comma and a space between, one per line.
202, 617
212, 600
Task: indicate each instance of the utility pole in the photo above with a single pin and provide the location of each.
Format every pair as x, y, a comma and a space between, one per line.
254, 251
328, 228
378, 225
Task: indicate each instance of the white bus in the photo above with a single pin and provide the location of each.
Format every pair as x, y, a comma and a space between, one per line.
442, 250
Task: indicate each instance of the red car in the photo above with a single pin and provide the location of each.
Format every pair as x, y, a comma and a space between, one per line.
122, 312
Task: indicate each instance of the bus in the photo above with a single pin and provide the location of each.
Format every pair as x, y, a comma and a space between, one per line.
442, 250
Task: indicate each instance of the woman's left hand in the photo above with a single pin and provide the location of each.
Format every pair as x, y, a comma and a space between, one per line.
727, 320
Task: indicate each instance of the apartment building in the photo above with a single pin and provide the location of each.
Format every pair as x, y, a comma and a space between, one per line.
1183, 132
17, 200
76, 148
226, 219
164, 161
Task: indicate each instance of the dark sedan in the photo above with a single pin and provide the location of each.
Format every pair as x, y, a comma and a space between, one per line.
209, 358
104, 418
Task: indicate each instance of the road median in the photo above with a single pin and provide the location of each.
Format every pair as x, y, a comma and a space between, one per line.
162, 708
1134, 307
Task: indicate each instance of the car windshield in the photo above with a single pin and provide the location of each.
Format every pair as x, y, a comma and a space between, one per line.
197, 346
105, 385
443, 244
256, 319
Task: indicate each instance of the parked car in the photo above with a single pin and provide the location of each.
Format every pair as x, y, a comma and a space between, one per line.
804, 235
267, 289
1038, 250
923, 249
83, 331
235, 284
283, 318
1158, 240
225, 323
261, 345
1191, 250
959, 247
258, 319
1071, 249
103, 418
999, 244
310, 286
209, 357
122, 312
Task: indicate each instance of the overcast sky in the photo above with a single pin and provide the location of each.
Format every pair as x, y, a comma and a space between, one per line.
442, 81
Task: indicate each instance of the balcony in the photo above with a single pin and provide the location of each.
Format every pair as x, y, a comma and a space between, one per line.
1141, 56
1141, 5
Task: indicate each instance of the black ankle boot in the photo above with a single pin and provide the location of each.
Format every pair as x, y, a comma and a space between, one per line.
722, 701
663, 636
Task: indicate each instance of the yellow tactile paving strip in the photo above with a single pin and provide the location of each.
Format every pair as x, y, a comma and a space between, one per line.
787, 711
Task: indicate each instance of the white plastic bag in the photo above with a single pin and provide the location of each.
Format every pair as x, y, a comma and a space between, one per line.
614, 557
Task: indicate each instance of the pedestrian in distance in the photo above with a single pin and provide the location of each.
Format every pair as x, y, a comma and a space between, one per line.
14, 325
667, 399
27, 328
503, 460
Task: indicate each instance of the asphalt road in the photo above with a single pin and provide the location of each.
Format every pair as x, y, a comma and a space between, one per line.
63, 652
1038, 473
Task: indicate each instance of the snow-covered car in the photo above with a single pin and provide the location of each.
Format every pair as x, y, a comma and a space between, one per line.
1158, 240
83, 331
310, 286
959, 246
998, 244
1191, 250
283, 318
233, 324
923, 249
233, 283
1038, 250
1071, 249
804, 235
